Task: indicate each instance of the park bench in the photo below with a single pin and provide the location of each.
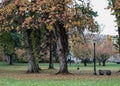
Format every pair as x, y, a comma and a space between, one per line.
118, 62
105, 72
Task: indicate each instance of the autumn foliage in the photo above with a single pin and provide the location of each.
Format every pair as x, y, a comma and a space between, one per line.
36, 18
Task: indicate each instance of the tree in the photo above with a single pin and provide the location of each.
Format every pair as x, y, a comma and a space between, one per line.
114, 5
62, 47
83, 20
9, 42
82, 47
82, 52
32, 17
104, 50
15, 16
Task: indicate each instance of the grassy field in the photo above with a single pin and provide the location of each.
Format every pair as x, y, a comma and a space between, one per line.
15, 75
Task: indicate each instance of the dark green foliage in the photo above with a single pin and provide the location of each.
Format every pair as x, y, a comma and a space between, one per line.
9, 42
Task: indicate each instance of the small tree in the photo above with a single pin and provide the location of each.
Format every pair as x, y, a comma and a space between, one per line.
104, 51
9, 42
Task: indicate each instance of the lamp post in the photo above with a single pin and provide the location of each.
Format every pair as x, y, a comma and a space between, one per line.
94, 43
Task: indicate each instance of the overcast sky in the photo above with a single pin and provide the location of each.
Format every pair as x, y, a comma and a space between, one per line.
105, 17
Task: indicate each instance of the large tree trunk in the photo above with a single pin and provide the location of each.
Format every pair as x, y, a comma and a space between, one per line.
62, 58
32, 66
62, 48
51, 46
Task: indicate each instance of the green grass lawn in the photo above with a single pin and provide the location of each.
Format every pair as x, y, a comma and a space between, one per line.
60, 82
15, 75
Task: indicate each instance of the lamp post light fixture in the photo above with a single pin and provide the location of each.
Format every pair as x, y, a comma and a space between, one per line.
94, 43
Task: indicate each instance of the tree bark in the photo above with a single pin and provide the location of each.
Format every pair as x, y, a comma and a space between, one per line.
62, 48
99, 63
32, 66
104, 61
51, 46
119, 40
51, 66
62, 58
9, 59
85, 64
38, 41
